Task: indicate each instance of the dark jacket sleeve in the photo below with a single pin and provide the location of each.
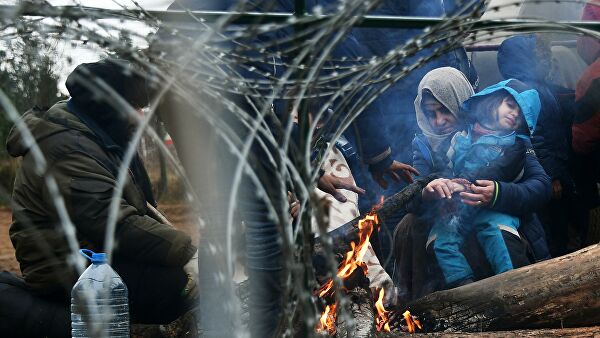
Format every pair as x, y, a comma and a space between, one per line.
87, 188
526, 196
506, 168
550, 138
374, 148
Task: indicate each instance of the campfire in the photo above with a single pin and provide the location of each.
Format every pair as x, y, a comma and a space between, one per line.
353, 259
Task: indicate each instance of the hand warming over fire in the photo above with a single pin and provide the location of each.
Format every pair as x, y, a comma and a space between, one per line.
330, 184
442, 188
398, 172
482, 193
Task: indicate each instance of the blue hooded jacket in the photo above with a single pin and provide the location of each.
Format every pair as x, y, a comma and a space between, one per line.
493, 157
517, 58
526, 96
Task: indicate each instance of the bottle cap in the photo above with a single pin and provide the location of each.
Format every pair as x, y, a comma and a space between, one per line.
96, 258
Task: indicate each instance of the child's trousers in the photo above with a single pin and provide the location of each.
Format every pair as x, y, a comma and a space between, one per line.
448, 238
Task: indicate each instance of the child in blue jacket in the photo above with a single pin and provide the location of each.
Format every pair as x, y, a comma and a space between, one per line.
493, 148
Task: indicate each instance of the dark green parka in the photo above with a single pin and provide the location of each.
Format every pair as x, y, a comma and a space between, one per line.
83, 162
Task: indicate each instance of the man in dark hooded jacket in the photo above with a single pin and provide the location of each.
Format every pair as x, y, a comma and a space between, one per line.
528, 58
83, 141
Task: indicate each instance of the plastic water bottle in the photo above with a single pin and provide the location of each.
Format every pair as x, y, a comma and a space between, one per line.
99, 301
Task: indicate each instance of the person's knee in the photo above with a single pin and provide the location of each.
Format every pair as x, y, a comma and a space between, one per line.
25, 314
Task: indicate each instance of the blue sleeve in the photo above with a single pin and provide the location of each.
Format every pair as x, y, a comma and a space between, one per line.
529, 194
420, 162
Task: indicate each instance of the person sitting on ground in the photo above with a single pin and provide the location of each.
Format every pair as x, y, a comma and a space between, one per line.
493, 147
83, 141
415, 275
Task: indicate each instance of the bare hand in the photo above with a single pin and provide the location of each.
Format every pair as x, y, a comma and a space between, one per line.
294, 205
398, 172
556, 189
441, 188
330, 184
482, 193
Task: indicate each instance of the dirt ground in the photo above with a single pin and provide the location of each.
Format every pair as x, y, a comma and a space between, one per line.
178, 214
7, 253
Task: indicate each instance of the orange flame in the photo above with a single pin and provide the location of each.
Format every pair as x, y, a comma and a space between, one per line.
354, 256
327, 322
324, 290
352, 260
382, 322
411, 322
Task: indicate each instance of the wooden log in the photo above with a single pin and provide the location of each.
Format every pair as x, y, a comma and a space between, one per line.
562, 292
359, 308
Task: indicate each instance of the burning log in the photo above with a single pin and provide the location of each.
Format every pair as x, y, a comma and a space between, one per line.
352, 271
347, 233
562, 292
359, 308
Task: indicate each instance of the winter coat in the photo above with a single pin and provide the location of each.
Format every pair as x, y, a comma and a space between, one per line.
517, 59
490, 157
83, 160
494, 157
427, 161
522, 198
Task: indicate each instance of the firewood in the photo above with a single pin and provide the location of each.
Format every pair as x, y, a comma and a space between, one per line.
562, 292
359, 307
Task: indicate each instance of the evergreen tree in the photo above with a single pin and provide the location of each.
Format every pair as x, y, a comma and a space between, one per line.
27, 77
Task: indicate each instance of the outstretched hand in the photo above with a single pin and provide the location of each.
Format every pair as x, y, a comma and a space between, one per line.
331, 185
398, 172
441, 188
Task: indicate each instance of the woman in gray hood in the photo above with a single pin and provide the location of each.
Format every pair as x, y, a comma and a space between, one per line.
440, 95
